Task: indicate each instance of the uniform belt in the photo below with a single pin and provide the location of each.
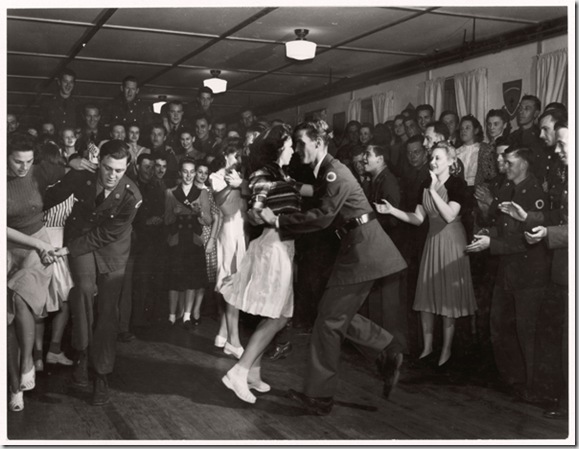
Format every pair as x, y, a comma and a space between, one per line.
354, 223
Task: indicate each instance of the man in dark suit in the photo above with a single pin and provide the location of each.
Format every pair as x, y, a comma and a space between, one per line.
97, 236
366, 254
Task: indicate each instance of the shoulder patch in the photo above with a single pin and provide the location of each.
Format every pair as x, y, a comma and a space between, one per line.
539, 204
138, 204
331, 176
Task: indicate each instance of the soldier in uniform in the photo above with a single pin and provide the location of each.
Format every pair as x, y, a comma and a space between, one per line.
128, 107
523, 274
97, 236
62, 109
366, 254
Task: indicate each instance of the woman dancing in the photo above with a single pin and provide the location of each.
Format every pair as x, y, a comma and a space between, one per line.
263, 284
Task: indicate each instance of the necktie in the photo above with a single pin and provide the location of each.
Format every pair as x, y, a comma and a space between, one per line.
100, 198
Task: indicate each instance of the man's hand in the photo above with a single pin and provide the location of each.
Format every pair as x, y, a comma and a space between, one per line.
268, 216
480, 243
537, 234
514, 210
483, 194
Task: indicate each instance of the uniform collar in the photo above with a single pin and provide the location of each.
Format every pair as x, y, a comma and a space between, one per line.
318, 165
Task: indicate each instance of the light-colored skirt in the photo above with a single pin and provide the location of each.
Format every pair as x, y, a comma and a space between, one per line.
263, 284
61, 281
28, 277
230, 247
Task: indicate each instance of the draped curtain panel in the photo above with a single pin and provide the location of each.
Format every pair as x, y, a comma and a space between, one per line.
383, 106
552, 77
472, 94
434, 95
355, 110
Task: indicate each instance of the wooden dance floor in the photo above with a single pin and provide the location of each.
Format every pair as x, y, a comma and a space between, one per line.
167, 386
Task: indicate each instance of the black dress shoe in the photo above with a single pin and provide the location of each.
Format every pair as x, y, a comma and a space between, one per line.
389, 362
187, 325
80, 373
100, 394
316, 406
126, 337
281, 351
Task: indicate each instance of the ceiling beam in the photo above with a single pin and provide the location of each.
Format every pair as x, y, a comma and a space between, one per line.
210, 36
469, 16
505, 41
342, 43
212, 42
102, 18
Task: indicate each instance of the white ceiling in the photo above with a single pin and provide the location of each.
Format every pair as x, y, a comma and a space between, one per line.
172, 50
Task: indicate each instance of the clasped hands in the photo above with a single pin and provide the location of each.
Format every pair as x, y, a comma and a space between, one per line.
49, 254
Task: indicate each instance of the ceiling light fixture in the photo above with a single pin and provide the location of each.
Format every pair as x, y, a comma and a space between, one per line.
300, 49
217, 85
157, 106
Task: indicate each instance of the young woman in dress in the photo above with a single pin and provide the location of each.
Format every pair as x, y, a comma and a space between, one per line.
61, 281
263, 284
444, 281
209, 235
187, 209
29, 260
231, 243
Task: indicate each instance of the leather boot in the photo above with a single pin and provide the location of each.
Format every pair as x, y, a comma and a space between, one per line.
100, 394
80, 373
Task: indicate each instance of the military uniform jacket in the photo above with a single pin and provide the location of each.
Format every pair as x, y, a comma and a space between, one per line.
127, 113
521, 265
366, 252
557, 222
104, 229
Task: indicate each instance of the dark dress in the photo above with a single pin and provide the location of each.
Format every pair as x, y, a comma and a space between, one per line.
444, 281
186, 265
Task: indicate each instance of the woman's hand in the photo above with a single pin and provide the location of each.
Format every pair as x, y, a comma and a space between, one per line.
433, 181
385, 208
210, 245
268, 216
80, 163
514, 210
537, 234
233, 179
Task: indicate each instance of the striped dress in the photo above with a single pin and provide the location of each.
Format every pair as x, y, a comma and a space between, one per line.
61, 282
263, 284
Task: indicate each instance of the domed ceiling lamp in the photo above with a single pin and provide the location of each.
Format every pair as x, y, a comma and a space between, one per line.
300, 49
216, 84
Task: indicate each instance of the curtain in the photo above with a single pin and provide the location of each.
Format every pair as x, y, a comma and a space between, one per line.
552, 77
383, 106
354, 110
434, 95
472, 94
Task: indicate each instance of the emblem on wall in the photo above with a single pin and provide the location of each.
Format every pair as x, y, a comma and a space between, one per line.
512, 96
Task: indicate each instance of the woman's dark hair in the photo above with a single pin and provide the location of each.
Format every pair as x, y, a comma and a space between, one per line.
504, 116
21, 142
382, 134
227, 147
187, 160
49, 152
478, 129
268, 146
